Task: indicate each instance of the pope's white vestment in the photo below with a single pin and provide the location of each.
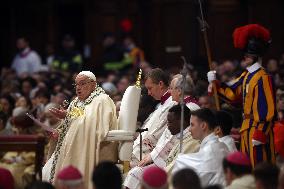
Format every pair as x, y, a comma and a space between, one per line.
81, 136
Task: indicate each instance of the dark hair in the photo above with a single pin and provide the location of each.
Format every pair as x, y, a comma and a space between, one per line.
206, 115
225, 121
106, 175
29, 80
42, 93
267, 173
176, 109
157, 75
25, 38
11, 101
4, 118
215, 186
256, 47
40, 184
238, 170
146, 106
186, 179
22, 121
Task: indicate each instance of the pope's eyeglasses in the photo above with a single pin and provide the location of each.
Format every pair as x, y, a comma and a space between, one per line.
81, 84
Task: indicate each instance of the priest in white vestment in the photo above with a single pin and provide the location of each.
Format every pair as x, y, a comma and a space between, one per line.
207, 162
176, 87
156, 82
188, 146
191, 103
167, 145
86, 123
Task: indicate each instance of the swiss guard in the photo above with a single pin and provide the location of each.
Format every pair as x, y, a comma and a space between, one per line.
254, 88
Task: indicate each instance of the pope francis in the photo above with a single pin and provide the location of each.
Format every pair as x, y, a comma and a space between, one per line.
84, 126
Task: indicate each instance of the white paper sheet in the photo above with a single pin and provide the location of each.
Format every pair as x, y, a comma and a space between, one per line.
43, 126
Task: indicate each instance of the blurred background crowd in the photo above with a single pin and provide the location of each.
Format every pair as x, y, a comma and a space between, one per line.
47, 80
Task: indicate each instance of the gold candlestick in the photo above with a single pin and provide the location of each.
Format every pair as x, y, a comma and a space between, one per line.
138, 81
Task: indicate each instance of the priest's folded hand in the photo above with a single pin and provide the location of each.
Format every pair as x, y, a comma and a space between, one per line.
145, 161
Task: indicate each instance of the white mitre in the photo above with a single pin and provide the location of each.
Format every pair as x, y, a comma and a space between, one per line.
88, 74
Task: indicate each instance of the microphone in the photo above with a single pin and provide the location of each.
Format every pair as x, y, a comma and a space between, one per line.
65, 104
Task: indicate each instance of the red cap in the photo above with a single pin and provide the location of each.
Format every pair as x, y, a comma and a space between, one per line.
69, 173
154, 177
6, 179
238, 158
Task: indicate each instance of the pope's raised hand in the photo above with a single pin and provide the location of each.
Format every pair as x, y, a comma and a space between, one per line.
59, 113
53, 135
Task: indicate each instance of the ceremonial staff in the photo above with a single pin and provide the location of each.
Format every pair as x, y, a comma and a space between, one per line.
203, 26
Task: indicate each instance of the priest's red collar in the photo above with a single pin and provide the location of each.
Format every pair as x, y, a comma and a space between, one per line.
165, 97
189, 99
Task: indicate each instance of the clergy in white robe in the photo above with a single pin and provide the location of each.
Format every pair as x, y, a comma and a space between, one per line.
81, 135
230, 143
189, 145
156, 82
167, 145
175, 91
207, 162
176, 87
224, 124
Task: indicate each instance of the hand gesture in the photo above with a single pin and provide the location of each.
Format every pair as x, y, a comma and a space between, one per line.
59, 113
53, 135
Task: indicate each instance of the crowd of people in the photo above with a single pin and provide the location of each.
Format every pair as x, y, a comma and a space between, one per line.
239, 146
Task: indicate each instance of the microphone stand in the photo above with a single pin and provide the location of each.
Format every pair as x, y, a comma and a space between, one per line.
183, 73
140, 131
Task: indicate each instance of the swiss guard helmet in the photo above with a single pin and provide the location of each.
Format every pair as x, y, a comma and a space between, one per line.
252, 39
